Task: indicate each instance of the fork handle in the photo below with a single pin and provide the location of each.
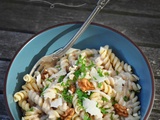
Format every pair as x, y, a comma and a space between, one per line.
100, 5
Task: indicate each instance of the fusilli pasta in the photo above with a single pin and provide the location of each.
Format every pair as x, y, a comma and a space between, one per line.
83, 85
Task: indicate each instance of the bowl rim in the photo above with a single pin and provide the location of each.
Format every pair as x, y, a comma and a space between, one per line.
96, 24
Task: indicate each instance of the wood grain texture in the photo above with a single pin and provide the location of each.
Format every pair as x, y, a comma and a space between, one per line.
3, 112
11, 42
3, 70
37, 18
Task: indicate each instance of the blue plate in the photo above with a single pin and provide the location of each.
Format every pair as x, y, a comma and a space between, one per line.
95, 36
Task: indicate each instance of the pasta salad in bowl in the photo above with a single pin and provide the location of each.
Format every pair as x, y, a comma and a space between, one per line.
104, 76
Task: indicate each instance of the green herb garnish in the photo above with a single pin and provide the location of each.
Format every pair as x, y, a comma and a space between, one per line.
104, 99
99, 85
43, 89
111, 117
100, 72
90, 65
113, 101
117, 72
106, 74
81, 95
86, 117
81, 62
31, 109
67, 84
104, 110
61, 78
77, 73
67, 96
94, 78
125, 98
50, 80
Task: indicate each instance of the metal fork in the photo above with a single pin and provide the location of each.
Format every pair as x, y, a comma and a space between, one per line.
52, 58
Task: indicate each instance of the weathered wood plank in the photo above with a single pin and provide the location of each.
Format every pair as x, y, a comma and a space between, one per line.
3, 70
10, 42
156, 109
144, 8
37, 18
3, 112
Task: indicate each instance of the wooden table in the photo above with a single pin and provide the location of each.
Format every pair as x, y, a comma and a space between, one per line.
137, 19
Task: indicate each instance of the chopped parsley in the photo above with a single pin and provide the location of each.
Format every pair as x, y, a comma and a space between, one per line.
114, 101
67, 96
81, 95
104, 99
117, 72
50, 80
67, 84
94, 78
61, 78
100, 85
91, 65
77, 73
81, 62
31, 109
111, 117
104, 110
106, 74
100, 72
125, 98
86, 117
43, 89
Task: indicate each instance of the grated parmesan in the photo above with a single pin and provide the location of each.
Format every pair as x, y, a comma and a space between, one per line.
56, 103
91, 108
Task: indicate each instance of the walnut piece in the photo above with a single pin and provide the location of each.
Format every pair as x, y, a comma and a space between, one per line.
85, 85
72, 88
121, 110
68, 114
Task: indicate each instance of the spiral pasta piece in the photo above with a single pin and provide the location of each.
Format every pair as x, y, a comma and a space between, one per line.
31, 86
24, 104
28, 78
133, 104
52, 91
106, 88
97, 97
61, 109
126, 67
76, 117
119, 97
52, 70
116, 63
128, 76
103, 59
110, 81
133, 86
20, 95
88, 52
64, 63
72, 57
44, 104
32, 114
